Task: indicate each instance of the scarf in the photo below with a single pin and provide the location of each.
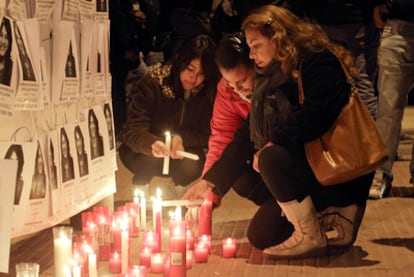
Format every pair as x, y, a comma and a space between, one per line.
266, 113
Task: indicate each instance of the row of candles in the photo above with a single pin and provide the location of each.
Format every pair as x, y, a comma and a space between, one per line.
107, 237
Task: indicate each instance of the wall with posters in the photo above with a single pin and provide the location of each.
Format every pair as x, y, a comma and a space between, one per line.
55, 108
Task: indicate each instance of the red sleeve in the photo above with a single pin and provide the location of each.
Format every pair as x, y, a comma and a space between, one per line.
229, 111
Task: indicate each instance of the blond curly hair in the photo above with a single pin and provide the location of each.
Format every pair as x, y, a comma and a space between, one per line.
295, 39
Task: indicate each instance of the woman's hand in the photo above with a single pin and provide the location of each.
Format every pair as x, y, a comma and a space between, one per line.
257, 154
199, 190
159, 149
176, 144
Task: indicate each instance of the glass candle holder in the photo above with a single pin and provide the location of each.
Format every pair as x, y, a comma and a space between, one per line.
27, 270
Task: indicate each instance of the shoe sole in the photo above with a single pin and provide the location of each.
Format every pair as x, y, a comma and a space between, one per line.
310, 254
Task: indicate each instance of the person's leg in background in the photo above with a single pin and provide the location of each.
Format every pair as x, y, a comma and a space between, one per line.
395, 78
362, 40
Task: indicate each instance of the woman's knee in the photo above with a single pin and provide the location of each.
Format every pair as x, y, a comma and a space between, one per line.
273, 157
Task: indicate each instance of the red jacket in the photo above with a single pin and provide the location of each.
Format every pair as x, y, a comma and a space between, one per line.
229, 111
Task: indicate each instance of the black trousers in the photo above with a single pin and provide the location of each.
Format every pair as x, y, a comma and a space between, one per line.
287, 176
144, 167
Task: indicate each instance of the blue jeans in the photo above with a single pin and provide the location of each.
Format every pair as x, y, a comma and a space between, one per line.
362, 40
395, 79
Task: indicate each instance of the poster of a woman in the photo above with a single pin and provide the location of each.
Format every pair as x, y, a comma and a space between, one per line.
6, 62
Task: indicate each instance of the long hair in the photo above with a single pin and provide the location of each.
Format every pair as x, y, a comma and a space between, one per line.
200, 47
232, 51
5, 23
294, 39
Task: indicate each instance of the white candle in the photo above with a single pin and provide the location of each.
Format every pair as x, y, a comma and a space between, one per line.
188, 155
143, 210
166, 164
124, 251
62, 247
93, 271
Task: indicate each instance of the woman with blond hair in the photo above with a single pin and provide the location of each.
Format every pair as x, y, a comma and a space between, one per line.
284, 48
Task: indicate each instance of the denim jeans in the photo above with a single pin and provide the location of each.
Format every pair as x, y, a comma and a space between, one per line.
362, 40
395, 79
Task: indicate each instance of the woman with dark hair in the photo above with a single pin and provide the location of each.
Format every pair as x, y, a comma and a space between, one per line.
38, 189
66, 159
80, 151
108, 118
15, 152
96, 140
6, 63
177, 97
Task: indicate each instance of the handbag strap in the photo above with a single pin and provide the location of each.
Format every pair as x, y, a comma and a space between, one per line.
349, 80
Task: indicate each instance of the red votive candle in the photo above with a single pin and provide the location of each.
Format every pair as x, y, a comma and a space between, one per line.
200, 252
229, 247
115, 262
145, 256
157, 263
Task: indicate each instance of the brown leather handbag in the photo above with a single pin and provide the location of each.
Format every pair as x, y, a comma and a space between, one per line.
352, 147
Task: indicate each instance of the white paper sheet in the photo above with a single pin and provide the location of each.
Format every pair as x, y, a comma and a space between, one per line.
7, 184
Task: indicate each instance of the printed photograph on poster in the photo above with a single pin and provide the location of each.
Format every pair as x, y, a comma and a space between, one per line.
102, 159
107, 108
71, 194
15, 152
36, 214
39, 179
7, 180
53, 172
101, 58
65, 63
82, 156
86, 70
8, 71
95, 135
84, 168
110, 145
66, 158
6, 62
25, 60
28, 96
101, 8
57, 212
24, 153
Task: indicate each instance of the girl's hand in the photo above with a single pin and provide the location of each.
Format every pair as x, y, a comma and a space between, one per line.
199, 190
